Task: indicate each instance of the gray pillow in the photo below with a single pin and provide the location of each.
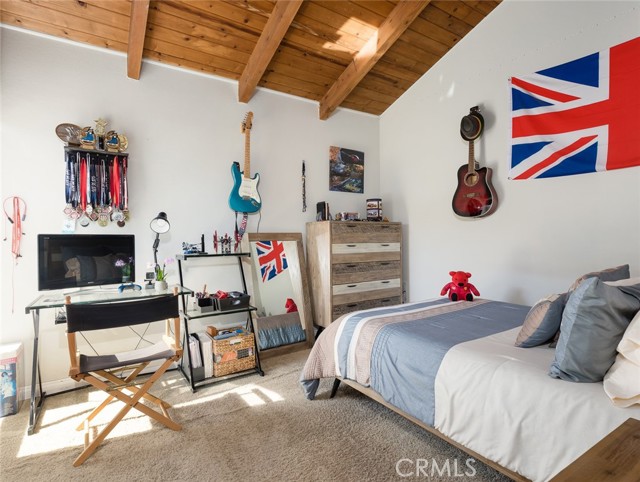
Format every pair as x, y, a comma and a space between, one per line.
542, 322
593, 323
609, 274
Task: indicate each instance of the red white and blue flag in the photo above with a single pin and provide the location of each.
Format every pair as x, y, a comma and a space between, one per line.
271, 259
578, 117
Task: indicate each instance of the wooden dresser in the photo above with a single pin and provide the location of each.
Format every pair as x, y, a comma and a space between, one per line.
353, 266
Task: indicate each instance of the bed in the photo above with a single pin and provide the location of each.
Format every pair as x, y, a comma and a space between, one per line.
452, 368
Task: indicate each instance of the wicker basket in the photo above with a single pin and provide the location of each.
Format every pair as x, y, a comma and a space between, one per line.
233, 354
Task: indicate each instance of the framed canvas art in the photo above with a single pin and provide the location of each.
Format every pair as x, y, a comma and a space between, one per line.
346, 170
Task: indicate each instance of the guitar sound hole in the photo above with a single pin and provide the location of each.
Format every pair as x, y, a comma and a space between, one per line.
471, 179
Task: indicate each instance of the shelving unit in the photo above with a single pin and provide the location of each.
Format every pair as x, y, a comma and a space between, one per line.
192, 315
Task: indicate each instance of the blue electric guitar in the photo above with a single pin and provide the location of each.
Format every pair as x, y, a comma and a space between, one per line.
244, 197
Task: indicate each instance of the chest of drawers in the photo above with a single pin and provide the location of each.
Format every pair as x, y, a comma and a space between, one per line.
353, 266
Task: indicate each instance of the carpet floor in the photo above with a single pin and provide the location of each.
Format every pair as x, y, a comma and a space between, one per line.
248, 429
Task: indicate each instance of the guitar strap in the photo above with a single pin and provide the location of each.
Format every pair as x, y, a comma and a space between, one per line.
239, 231
304, 188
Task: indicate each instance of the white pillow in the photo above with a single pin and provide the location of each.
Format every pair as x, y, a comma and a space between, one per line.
622, 381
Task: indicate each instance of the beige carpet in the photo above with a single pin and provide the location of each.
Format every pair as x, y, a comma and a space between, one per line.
251, 428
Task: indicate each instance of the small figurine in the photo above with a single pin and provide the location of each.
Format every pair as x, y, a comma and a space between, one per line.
112, 142
88, 140
225, 242
459, 288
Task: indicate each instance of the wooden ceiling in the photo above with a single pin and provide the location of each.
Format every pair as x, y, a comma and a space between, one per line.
358, 54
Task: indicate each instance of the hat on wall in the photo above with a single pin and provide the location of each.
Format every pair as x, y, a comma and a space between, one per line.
471, 125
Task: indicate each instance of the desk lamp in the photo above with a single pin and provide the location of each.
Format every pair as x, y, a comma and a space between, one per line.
159, 225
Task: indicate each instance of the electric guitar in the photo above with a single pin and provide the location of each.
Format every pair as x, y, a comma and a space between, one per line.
244, 197
474, 196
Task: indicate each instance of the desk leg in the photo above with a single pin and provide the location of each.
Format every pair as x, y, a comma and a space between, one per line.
36, 401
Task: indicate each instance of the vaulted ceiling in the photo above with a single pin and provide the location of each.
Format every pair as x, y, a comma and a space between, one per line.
358, 54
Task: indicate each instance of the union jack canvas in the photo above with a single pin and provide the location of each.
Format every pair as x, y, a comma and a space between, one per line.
271, 259
578, 117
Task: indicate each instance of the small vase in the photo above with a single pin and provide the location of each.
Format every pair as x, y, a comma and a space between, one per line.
161, 285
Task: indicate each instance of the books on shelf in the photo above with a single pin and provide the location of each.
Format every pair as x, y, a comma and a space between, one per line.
207, 352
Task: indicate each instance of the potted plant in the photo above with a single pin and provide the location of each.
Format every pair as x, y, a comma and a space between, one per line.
161, 275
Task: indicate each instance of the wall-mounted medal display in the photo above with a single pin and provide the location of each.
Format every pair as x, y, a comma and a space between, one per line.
96, 186
95, 175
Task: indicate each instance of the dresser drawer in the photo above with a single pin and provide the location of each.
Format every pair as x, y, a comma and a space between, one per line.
339, 310
365, 286
346, 273
365, 232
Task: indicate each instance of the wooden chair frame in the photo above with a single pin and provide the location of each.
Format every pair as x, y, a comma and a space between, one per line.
115, 386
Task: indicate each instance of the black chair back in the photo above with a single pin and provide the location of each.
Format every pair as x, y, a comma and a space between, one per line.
125, 313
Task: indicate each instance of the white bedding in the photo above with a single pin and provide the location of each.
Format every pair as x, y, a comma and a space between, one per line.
549, 422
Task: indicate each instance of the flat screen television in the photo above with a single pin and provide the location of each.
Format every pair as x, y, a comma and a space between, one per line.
79, 260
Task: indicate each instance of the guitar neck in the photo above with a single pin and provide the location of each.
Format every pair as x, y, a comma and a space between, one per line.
247, 154
472, 159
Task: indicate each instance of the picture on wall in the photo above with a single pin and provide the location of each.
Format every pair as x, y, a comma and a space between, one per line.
346, 170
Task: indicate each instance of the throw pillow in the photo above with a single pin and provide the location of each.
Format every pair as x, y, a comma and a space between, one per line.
542, 322
593, 323
622, 381
610, 274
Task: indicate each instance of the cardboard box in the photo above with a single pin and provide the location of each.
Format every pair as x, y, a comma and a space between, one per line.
12, 378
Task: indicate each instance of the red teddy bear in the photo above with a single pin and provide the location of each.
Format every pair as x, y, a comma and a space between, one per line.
459, 288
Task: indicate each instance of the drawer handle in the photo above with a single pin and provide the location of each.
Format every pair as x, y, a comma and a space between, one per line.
385, 263
351, 266
385, 244
351, 245
351, 286
385, 281
385, 301
352, 305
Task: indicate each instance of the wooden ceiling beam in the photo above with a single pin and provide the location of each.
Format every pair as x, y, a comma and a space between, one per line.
279, 21
400, 18
137, 32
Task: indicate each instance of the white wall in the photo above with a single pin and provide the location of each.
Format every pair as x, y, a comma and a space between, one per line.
184, 132
545, 232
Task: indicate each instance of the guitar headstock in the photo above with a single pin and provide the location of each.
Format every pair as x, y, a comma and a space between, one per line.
247, 122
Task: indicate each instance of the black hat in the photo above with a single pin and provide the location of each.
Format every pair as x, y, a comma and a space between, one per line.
471, 125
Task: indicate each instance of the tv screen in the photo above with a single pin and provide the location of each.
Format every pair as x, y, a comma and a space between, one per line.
78, 260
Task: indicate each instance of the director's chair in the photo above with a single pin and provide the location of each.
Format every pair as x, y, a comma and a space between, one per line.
100, 371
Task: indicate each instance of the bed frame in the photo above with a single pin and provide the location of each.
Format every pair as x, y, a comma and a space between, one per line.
375, 396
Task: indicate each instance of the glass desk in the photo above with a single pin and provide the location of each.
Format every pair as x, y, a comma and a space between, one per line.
58, 300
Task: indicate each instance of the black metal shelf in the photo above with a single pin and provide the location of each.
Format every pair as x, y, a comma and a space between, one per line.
187, 315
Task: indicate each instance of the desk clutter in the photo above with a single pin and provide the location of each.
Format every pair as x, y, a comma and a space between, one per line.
221, 301
221, 352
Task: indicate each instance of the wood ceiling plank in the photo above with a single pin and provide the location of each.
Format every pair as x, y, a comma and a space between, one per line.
237, 13
68, 26
191, 65
95, 11
295, 67
434, 32
198, 26
446, 21
137, 33
390, 30
196, 56
459, 10
273, 33
485, 7
195, 43
356, 12
36, 25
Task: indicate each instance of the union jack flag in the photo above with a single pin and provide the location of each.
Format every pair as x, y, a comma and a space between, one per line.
271, 259
581, 116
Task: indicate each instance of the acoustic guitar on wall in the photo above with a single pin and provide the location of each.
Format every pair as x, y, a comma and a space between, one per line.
244, 197
474, 196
